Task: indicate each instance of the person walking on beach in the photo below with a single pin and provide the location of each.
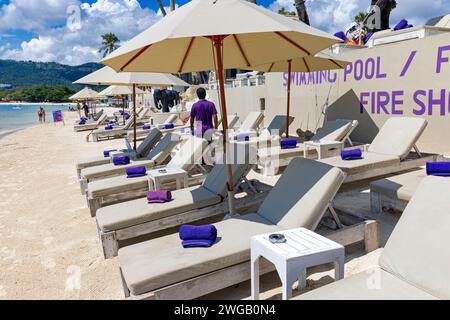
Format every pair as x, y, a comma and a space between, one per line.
86, 110
43, 114
79, 109
40, 115
203, 113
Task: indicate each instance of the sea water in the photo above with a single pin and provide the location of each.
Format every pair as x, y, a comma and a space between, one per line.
16, 117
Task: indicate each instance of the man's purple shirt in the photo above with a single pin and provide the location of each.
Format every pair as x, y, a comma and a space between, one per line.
203, 112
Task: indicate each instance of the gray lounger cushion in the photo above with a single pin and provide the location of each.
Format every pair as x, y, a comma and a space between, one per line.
398, 136
149, 142
139, 211
370, 161
333, 130
160, 262
364, 286
401, 187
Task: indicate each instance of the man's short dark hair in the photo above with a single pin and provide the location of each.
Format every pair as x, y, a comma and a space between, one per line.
201, 93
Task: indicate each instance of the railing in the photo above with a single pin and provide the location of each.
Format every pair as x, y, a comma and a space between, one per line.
239, 83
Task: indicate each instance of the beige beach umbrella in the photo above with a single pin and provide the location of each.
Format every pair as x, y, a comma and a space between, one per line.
112, 91
108, 76
319, 62
86, 94
216, 35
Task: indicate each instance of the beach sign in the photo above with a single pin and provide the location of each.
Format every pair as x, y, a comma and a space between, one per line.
58, 116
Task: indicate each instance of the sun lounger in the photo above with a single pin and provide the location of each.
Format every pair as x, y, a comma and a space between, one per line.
141, 152
91, 125
273, 158
251, 122
394, 192
116, 132
136, 218
156, 156
390, 151
120, 188
143, 132
415, 262
162, 269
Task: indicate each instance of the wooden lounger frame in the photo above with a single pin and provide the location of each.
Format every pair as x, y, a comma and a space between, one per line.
365, 231
110, 240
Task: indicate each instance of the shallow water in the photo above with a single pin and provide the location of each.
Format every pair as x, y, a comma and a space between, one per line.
16, 117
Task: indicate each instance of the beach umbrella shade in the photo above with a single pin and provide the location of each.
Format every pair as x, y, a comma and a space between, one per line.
112, 91
108, 76
319, 62
216, 35
86, 94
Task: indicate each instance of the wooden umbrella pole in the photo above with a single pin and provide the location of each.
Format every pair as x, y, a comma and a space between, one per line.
288, 105
218, 44
134, 117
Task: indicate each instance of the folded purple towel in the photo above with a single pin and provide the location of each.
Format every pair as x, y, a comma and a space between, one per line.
106, 153
112, 122
198, 243
136, 172
160, 196
120, 161
82, 121
288, 144
441, 169
403, 24
109, 127
353, 154
127, 116
244, 136
169, 126
122, 112
206, 232
146, 127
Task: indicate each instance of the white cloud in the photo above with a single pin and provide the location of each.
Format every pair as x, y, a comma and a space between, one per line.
335, 15
68, 45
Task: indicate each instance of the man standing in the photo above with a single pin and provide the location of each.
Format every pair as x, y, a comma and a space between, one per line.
203, 113
86, 110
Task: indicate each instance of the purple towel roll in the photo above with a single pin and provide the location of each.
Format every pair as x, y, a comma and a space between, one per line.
82, 120
403, 24
189, 232
146, 127
159, 196
106, 153
169, 126
136, 172
288, 144
122, 112
199, 243
441, 169
244, 136
127, 116
353, 154
109, 127
120, 161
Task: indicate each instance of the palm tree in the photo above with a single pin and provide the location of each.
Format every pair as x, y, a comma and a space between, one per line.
301, 11
360, 17
109, 43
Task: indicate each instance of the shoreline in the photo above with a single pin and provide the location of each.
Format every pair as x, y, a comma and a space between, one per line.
38, 103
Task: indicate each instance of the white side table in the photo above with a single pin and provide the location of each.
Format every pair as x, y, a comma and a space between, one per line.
302, 249
158, 176
322, 147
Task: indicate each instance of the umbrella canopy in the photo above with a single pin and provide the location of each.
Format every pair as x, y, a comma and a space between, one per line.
86, 94
218, 34
107, 76
319, 62
252, 35
119, 91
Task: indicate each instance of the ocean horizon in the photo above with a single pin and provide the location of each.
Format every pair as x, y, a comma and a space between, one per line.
15, 117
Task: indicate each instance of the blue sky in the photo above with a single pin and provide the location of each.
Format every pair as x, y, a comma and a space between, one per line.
38, 30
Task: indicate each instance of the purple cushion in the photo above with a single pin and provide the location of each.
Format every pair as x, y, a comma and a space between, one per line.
441, 169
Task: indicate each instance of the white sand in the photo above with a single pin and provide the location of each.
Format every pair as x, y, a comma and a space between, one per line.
48, 242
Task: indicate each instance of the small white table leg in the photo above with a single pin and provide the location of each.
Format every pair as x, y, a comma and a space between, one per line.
157, 184
302, 281
319, 151
255, 277
186, 181
178, 183
339, 268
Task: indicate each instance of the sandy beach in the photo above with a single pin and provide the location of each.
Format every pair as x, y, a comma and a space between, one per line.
49, 246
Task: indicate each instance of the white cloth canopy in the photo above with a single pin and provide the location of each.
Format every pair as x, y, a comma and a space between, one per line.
86, 94
119, 91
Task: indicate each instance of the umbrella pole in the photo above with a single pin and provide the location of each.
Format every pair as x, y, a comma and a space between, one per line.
288, 104
218, 44
134, 116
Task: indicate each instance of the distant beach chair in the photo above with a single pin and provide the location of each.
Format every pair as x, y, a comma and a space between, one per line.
118, 187
415, 261
273, 158
162, 269
156, 156
135, 218
90, 124
390, 151
116, 132
141, 152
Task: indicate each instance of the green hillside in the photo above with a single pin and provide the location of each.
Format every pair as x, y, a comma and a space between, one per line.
28, 73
